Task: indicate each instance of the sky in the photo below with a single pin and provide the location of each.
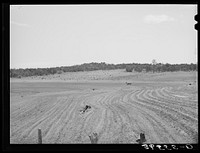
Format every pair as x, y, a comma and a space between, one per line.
44, 36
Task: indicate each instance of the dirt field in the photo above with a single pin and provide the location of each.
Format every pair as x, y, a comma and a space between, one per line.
163, 106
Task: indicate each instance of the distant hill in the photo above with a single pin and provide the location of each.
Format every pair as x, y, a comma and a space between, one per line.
18, 73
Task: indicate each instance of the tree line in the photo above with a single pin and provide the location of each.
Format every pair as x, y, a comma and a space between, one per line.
153, 67
159, 67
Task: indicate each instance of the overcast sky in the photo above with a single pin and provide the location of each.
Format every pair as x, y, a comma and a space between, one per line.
63, 35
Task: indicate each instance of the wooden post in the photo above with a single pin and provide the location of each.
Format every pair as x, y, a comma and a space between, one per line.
39, 136
93, 138
142, 138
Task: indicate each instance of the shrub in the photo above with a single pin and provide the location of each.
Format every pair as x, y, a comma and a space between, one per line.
129, 68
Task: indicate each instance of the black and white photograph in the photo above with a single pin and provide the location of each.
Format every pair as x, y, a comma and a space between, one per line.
103, 74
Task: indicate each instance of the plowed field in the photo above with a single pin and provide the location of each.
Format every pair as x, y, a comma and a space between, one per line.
165, 111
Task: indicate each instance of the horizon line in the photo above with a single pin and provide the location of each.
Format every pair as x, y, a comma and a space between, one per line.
98, 63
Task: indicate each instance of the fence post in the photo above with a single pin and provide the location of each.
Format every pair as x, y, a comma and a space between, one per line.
93, 138
39, 136
142, 138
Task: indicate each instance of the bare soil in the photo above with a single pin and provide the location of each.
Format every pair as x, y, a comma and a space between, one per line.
163, 106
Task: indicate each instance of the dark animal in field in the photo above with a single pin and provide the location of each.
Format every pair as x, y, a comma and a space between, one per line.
142, 138
93, 138
128, 83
